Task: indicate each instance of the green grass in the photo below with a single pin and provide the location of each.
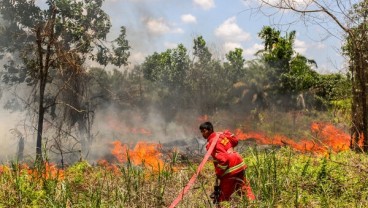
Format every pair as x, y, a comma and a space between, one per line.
279, 178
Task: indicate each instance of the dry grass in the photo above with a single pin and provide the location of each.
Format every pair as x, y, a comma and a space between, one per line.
280, 178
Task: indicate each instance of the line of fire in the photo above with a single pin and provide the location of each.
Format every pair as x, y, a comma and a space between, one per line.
325, 138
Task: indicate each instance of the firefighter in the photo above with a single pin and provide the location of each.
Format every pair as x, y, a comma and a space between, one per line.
229, 165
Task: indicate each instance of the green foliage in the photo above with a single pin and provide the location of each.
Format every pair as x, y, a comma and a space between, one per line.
293, 77
168, 69
333, 87
114, 88
235, 65
209, 81
316, 181
300, 77
280, 177
78, 171
235, 58
281, 78
167, 72
270, 37
201, 50
333, 91
278, 50
49, 48
121, 51
77, 26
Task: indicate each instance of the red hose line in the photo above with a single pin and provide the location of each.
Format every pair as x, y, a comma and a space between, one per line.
194, 177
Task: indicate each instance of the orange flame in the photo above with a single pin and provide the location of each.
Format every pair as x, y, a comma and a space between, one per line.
52, 172
111, 167
120, 151
49, 171
4, 169
143, 154
325, 137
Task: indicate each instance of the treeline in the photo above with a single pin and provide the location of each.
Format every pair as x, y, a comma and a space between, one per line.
50, 47
174, 80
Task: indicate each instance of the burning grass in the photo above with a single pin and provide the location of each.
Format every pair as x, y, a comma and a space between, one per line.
316, 172
143, 153
324, 138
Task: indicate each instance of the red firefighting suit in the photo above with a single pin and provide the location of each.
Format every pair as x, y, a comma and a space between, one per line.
229, 166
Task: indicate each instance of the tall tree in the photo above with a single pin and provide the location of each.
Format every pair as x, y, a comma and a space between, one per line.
50, 47
356, 48
205, 75
235, 65
278, 52
168, 72
292, 73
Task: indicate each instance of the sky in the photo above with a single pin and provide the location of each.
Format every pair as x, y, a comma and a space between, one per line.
157, 25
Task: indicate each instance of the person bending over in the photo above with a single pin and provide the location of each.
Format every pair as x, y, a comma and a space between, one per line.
229, 165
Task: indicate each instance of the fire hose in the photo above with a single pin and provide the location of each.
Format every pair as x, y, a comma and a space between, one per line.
194, 177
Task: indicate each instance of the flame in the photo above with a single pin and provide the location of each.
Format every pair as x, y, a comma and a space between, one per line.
331, 136
52, 172
326, 137
4, 169
146, 154
360, 142
111, 167
48, 171
120, 151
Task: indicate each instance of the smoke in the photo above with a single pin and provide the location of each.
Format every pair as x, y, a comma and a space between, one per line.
11, 132
148, 29
131, 126
110, 124
12, 119
128, 126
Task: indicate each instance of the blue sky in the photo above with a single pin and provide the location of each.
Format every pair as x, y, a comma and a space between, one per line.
156, 25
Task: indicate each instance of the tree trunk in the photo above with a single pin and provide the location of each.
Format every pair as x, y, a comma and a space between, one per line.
41, 109
20, 152
359, 129
41, 114
44, 62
